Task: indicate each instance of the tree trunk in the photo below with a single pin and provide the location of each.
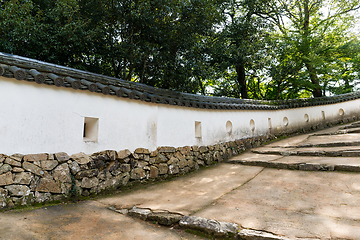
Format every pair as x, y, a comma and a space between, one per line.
316, 91
241, 79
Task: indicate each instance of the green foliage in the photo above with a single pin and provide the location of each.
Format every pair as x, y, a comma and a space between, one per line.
261, 49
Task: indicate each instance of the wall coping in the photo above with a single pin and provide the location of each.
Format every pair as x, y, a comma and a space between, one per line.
22, 68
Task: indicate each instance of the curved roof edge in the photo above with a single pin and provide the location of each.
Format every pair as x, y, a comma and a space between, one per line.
22, 68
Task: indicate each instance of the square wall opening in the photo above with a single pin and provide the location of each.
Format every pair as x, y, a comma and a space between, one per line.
91, 129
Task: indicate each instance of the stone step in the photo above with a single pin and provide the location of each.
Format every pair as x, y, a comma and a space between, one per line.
348, 151
325, 141
308, 163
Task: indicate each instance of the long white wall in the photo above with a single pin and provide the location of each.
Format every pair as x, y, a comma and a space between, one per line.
39, 118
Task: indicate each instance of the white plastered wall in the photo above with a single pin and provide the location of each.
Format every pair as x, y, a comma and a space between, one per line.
40, 118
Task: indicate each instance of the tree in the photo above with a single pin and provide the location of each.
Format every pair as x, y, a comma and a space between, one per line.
239, 50
315, 28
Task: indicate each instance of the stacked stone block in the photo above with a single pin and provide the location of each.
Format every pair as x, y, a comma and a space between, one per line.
44, 177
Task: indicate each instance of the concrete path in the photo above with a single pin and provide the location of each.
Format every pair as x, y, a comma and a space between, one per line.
304, 187
85, 220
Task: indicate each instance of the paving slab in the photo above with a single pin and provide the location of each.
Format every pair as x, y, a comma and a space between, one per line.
250, 156
189, 193
289, 142
332, 140
86, 220
296, 204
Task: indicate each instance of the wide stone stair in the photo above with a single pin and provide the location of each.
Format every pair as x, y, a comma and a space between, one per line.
334, 149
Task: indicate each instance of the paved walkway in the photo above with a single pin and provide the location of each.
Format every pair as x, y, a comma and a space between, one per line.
304, 187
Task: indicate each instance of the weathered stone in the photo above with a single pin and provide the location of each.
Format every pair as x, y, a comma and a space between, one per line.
65, 188
23, 178
104, 174
208, 159
81, 158
123, 154
111, 183
17, 157
173, 160
147, 158
142, 151
83, 167
2, 158
125, 177
5, 168
164, 218
12, 162
154, 172
152, 161
182, 163
136, 156
18, 190
154, 153
210, 226
62, 173
166, 149
42, 197
184, 150
48, 164
62, 157
133, 163
34, 182
3, 192
137, 174
37, 163
185, 170
139, 213
87, 173
17, 170
112, 154
97, 163
161, 158
163, 168
74, 167
112, 166
173, 169
35, 157
102, 156
116, 172
203, 149
195, 148
200, 163
89, 182
85, 193
142, 164
48, 185
125, 167
33, 168
309, 167
191, 163
6, 179
51, 157
248, 234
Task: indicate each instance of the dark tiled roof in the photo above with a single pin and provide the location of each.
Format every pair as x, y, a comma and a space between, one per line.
31, 70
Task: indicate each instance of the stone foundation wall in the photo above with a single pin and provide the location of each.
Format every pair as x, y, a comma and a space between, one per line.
37, 178
45, 177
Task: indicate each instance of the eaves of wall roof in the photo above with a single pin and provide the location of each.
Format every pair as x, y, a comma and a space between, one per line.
31, 70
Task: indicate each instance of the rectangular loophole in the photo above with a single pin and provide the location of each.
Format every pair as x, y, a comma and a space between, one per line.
91, 128
269, 123
198, 129
323, 115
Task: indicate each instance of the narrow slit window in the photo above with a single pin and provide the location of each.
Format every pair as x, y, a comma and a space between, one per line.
91, 128
198, 129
